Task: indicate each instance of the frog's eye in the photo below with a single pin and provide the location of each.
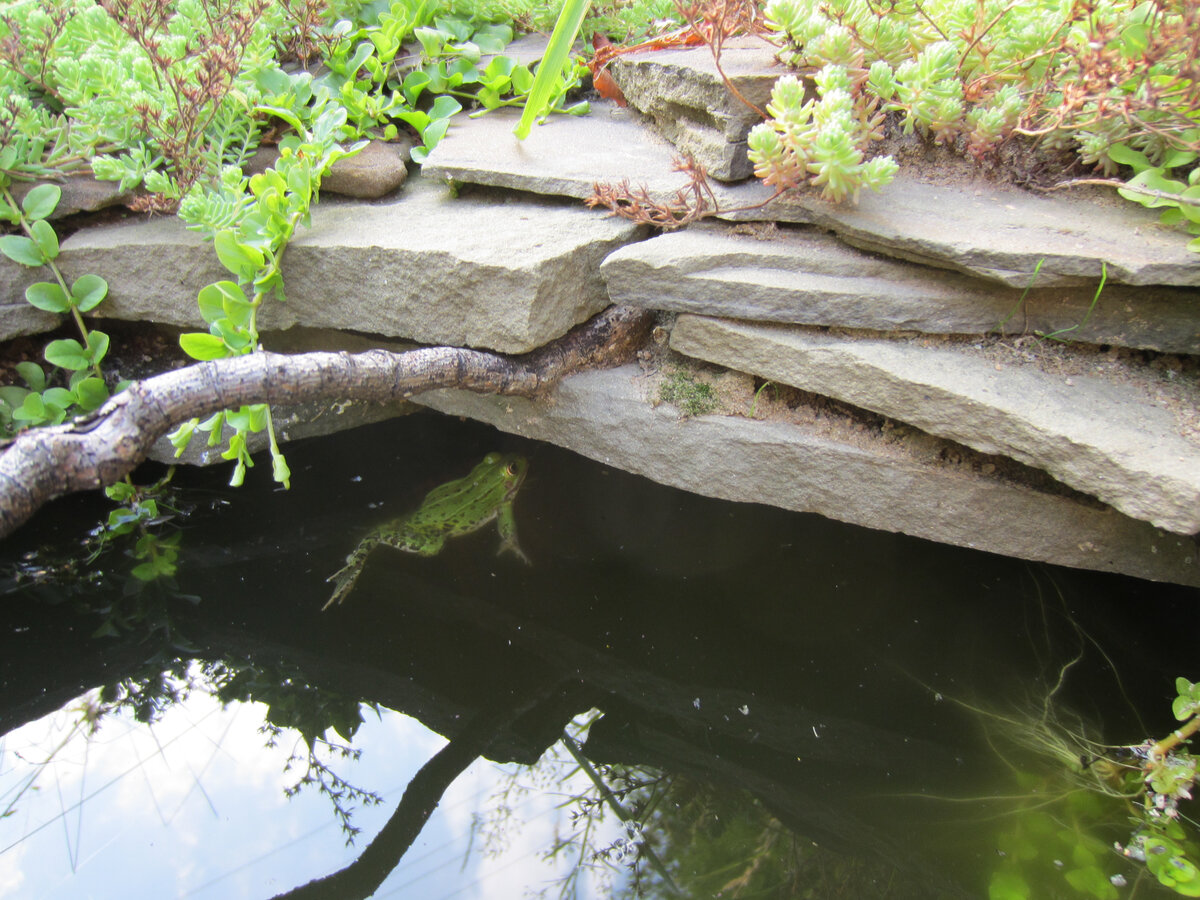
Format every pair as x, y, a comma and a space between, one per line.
511, 470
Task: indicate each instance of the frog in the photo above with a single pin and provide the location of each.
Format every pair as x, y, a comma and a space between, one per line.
450, 510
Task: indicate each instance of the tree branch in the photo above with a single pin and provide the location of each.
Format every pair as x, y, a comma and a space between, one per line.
104, 446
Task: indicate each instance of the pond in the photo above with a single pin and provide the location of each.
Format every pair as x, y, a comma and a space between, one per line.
678, 696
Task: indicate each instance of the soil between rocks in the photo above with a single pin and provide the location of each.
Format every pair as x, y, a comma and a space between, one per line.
748, 396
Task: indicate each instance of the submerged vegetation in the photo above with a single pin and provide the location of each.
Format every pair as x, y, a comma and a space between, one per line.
1086, 818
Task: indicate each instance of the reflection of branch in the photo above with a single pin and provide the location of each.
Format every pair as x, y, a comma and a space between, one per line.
606, 792
364, 876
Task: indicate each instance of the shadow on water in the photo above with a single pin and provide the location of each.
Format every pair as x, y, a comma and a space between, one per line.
784, 706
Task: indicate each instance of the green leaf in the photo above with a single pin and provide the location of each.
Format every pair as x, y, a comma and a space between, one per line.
33, 375
553, 63
182, 436
58, 397
258, 418
1135, 38
120, 492
279, 468
97, 347
32, 410
203, 346
40, 202
280, 112
1175, 158
12, 395
67, 353
49, 296
1127, 156
522, 79
88, 291
91, 393
414, 83
21, 249
1008, 885
45, 238
444, 108
224, 299
239, 258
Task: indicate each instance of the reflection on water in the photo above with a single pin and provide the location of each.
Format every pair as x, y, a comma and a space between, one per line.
679, 697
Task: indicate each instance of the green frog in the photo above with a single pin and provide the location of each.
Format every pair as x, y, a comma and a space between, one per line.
449, 510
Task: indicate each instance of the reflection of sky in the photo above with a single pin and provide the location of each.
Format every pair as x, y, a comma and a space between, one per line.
193, 807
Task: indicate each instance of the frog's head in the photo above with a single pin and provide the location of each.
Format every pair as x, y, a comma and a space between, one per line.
504, 468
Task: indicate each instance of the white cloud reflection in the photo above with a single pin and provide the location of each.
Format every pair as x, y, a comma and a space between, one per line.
193, 807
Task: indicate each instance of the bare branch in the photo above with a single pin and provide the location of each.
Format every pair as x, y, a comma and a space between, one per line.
103, 447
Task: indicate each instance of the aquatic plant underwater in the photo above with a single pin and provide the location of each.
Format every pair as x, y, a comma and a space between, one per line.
1081, 810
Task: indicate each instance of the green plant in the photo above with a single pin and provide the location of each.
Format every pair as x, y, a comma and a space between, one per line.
1118, 83
820, 142
250, 236
45, 399
1154, 186
1093, 788
684, 390
553, 75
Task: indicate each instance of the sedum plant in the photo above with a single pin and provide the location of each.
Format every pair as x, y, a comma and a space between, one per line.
820, 141
1118, 83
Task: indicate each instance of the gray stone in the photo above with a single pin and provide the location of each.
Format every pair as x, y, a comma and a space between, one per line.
685, 97
375, 171
974, 226
563, 156
81, 192
17, 317
603, 415
1100, 436
811, 278
505, 273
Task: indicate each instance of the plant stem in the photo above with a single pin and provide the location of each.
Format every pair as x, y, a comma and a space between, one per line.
1159, 751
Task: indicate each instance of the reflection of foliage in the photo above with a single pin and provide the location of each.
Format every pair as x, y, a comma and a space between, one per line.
141, 530
85, 720
294, 704
673, 836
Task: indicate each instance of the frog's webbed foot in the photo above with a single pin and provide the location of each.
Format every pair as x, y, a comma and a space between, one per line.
345, 578
511, 546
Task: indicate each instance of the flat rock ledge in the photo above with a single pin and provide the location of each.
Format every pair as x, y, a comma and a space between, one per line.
807, 276
985, 229
1133, 456
504, 273
607, 416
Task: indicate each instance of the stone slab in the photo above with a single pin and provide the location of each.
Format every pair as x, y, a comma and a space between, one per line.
603, 415
1100, 436
683, 94
978, 227
17, 317
504, 273
809, 277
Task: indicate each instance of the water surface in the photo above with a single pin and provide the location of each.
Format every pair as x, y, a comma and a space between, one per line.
777, 705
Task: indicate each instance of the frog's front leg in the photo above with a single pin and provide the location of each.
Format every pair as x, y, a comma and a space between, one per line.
344, 578
506, 524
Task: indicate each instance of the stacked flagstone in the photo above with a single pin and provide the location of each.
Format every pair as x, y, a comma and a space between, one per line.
905, 327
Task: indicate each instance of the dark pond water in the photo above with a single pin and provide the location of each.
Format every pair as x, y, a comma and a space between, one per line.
756, 703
